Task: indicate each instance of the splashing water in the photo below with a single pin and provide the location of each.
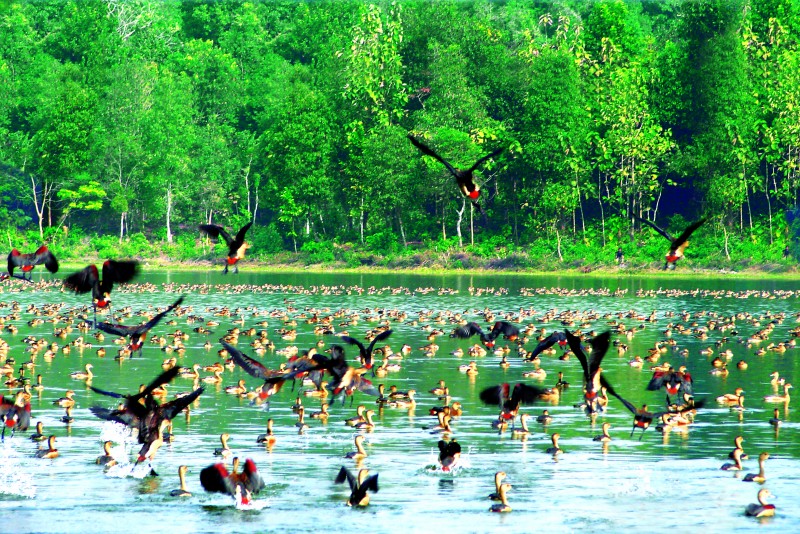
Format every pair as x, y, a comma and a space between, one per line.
13, 481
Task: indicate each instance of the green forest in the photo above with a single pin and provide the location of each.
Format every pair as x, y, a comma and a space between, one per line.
124, 124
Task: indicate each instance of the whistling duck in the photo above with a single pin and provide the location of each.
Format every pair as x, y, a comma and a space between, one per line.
50, 451
358, 454
38, 435
760, 477
367, 424
762, 509
239, 389
440, 389
268, 438
186, 372
498, 480
39, 386
776, 419
502, 506
26, 263
741, 365
780, 398
776, 379
359, 417
408, 402
730, 398
301, 424
236, 245
359, 485
215, 478
66, 400
464, 177
677, 244
737, 462
223, 451
182, 491
215, 379
83, 375
67, 418
545, 418
88, 280
322, 414
604, 437
539, 374
555, 450
106, 459
449, 454
365, 353
737, 445
524, 431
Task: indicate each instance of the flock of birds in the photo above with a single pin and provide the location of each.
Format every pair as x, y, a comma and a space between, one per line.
148, 415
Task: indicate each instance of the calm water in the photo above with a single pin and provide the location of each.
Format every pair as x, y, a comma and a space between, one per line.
656, 484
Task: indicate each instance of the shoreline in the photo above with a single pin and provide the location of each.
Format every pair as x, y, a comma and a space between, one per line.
771, 271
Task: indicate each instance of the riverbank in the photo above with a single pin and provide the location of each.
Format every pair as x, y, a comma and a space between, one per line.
654, 270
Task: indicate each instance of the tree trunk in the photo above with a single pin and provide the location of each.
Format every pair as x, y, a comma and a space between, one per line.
458, 222
169, 213
558, 244
472, 224
121, 225
361, 220
402, 231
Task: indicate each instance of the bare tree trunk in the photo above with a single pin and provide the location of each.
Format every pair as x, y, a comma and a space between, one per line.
769, 203
39, 209
458, 222
725, 231
472, 224
121, 225
558, 244
402, 231
361, 220
600, 202
169, 213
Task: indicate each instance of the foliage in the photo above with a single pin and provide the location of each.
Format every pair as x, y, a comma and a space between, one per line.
124, 125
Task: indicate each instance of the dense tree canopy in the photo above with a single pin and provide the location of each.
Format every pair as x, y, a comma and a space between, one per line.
140, 119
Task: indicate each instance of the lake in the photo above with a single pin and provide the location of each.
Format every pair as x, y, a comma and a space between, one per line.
661, 482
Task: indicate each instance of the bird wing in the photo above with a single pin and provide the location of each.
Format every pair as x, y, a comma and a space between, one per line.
118, 329
253, 481
575, 344
239, 239
659, 379
215, 478
370, 483
353, 341
345, 474
164, 378
681, 239
108, 393
119, 416
251, 366
365, 386
600, 346
380, 337
611, 391
505, 328
214, 231
429, 151
83, 280
172, 408
547, 342
484, 158
525, 394
467, 331
119, 272
655, 227
44, 256
492, 395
